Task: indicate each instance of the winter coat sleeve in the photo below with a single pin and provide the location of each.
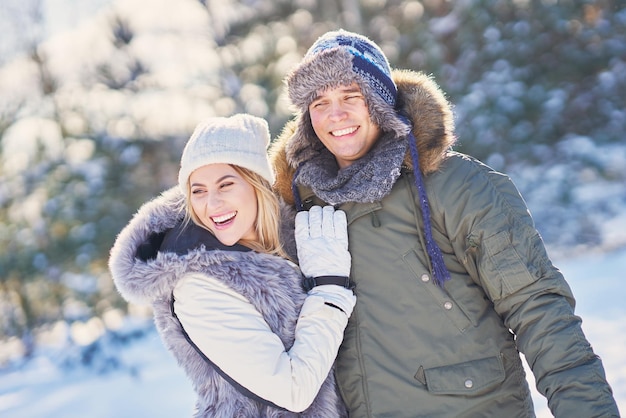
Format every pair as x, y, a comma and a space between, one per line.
494, 237
234, 336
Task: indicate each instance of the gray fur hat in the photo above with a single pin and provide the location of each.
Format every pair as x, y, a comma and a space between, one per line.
340, 58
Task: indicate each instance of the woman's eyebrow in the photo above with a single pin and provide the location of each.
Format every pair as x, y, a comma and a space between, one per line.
227, 176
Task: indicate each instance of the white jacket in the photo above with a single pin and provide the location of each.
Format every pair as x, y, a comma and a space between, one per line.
233, 334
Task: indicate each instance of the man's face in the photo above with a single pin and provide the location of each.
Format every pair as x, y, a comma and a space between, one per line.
341, 120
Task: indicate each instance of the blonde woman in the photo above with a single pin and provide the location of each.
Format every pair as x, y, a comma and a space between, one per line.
228, 301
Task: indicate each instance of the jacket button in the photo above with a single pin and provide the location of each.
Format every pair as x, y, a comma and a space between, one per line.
447, 305
425, 278
469, 383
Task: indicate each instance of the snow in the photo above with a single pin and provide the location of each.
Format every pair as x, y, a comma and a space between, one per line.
137, 377
150, 385
596, 281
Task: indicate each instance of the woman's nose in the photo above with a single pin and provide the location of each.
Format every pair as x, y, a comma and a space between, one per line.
213, 201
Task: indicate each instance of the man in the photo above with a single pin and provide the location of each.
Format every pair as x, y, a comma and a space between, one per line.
452, 278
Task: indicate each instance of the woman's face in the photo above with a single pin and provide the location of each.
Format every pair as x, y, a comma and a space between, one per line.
224, 202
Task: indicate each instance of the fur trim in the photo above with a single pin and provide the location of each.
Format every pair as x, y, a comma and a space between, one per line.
421, 99
284, 171
129, 275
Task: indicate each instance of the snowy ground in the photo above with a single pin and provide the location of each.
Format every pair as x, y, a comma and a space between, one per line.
147, 382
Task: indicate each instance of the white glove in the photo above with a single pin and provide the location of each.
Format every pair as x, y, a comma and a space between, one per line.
339, 296
322, 242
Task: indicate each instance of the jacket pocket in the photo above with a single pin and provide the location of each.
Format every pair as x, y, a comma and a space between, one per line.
504, 270
470, 378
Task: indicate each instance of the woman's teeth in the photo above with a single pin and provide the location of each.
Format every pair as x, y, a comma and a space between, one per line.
223, 218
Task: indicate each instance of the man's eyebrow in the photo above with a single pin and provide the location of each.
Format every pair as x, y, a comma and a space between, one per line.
351, 89
347, 89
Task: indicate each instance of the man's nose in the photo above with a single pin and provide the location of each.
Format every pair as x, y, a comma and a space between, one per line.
337, 111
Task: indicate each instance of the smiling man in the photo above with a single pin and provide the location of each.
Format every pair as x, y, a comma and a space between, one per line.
452, 278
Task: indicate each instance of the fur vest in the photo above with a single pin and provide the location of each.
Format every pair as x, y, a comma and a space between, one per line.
271, 284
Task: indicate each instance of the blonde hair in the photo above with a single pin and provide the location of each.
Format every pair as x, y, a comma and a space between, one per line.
267, 223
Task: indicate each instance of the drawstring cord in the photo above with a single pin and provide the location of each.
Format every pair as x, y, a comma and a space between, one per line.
440, 271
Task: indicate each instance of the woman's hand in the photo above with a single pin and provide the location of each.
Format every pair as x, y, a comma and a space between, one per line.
322, 242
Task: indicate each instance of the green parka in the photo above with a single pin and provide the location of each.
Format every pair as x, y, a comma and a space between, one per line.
414, 349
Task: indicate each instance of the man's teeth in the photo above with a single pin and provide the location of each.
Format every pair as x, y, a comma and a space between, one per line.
344, 131
223, 218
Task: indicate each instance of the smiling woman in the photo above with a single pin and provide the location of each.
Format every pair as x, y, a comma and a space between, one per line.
226, 296
225, 175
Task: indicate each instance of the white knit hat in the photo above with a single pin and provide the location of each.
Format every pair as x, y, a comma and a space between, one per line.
240, 140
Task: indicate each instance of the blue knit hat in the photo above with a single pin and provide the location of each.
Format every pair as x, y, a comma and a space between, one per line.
368, 61
340, 58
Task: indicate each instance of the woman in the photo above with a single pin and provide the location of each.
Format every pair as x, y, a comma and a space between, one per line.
227, 301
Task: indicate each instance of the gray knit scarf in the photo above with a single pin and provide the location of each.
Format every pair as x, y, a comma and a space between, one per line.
367, 180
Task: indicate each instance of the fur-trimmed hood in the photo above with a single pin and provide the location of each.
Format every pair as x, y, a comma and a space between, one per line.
419, 98
147, 228
271, 284
129, 272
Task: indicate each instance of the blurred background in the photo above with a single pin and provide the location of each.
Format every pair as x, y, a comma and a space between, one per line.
98, 97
